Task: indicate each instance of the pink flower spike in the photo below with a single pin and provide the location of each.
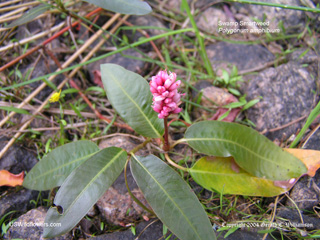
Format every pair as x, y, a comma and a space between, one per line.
166, 97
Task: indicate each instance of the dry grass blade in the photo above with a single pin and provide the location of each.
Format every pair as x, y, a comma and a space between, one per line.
32, 38
69, 61
19, 6
10, 14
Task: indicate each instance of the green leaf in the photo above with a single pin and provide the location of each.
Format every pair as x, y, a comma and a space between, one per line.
14, 109
250, 104
135, 7
54, 168
234, 105
220, 174
225, 76
83, 188
29, 16
130, 95
252, 151
171, 198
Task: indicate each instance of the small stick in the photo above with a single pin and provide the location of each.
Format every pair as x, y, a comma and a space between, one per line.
90, 54
45, 42
32, 38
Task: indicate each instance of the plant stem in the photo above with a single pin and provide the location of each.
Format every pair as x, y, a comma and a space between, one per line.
172, 163
202, 52
166, 145
142, 145
307, 9
131, 194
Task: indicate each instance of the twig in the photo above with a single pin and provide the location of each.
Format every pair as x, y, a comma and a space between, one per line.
6, 3
9, 14
261, 66
73, 57
283, 126
67, 63
45, 42
50, 110
32, 38
116, 134
273, 216
68, 126
19, 6
310, 135
151, 42
74, 85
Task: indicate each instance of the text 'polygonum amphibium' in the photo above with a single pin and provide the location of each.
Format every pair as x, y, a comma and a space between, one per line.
166, 97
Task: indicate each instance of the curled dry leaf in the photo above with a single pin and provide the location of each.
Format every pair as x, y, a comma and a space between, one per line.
10, 179
311, 158
97, 78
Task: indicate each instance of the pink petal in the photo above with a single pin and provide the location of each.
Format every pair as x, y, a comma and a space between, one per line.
175, 85
153, 84
168, 83
168, 100
177, 110
153, 90
159, 98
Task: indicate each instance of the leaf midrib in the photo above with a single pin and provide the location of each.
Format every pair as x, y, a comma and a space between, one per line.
92, 180
177, 206
235, 143
66, 164
137, 106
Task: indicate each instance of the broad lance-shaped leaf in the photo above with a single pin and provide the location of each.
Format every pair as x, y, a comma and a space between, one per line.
29, 16
130, 95
252, 151
55, 167
218, 173
83, 188
136, 7
171, 199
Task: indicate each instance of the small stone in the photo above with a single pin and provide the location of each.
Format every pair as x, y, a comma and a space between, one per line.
314, 141
294, 219
215, 98
210, 18
17, 159
30, 226
287, 93
145, 20
120, 209
130, 64
19, 201
293, 21
223, 55
305, 193
152, 229
124, 142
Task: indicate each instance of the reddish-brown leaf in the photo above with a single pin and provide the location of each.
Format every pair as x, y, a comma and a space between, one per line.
10, 179
311, 158
97, 78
